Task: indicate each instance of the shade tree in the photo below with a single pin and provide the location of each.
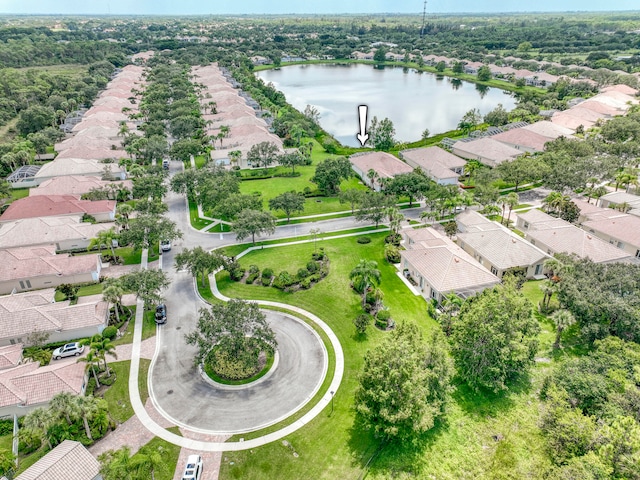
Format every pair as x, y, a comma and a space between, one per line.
252, 223
288, 202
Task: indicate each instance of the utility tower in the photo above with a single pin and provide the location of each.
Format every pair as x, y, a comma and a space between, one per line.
424, 17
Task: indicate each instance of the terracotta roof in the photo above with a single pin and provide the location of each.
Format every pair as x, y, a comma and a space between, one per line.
10, 356
75, 185
522, 137
625, 89
601, 108
486, 148
385, 164
30, 262
68, 460
47, 231
549, 129
24, 313
76, 166
569, 120
88, 153
54, 205
447, 267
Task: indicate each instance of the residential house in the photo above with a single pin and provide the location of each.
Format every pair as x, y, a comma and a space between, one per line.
22, 314
522, 139
59, 205
438, 266
486, 150
554, 235
496, 247
619, 229
31, 268
76, 166
613, 199
549, 130
69, 460
383, 164
65, 233
10, 356
76, 185
441, 166
28, 386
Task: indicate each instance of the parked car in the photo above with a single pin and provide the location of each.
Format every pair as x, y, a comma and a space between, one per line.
68, 350
193, 469
161, 314
165, 164
165, 245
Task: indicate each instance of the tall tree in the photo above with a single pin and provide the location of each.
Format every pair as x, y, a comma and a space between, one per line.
373, 207
199, 261
104, 238
330, 172
562, 319
382, 134
405, 385
146, 230
364, 276
263, 154
288, 202
495, 337
412, 185
147, 285
252, 222
352, 196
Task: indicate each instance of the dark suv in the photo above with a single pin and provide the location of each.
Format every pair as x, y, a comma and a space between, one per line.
161, 313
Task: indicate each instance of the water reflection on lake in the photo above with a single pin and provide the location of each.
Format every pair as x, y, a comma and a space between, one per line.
412, 100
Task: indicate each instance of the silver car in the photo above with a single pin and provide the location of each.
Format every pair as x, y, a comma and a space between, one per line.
68, 350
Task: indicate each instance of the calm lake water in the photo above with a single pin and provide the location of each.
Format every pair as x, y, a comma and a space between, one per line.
413, 101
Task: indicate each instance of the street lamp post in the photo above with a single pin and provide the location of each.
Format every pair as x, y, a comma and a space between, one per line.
332, 392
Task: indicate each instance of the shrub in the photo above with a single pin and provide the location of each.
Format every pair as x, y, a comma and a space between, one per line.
324, 271
284, 279
266, 281
364, 240
312, 267
394, 239
38, 354
370, 298
267, 273
319, 255
29, 441
254, 269
252, 278
6, 427
361, 322
303, 273
110, 332
228, 367
236, 274
383, 315
306, 191
305, 283
108, 381
367, 307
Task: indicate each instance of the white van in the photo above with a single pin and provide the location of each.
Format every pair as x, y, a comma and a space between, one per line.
193, 469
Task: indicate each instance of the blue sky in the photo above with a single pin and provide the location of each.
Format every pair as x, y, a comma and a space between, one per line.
195, 7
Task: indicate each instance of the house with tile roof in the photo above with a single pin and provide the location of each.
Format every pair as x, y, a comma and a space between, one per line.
29, 386
619, 229
69, 460
613, 199
66, 233
441, 166
554, 235
77, 185
496, 247
10, 356
384, 164
549, 130
438, 266
485, 150
76, 166
32, 268
59, 205
522, 139
22, 314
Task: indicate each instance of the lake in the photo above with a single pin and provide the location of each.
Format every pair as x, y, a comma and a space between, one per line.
413, 101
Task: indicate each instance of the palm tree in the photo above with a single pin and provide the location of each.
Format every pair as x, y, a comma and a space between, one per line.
428, 215
106, 238
104, 347
512, 199
148, 463
113, 294
548, 288
235, 156
123, 210
450, 306
92, 361
554, 266
116, 465
552, 201
395, 219
372, 175
562, 319
39, 421
503, 205
87, 408
364, 276
623, 207
64, 405
470, 168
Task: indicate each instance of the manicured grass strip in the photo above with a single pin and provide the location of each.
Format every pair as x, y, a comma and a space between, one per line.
117, 396
197, 222
235, 250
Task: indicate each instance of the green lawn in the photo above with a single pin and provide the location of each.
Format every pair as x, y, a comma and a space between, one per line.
117, 396
18, 193
83, 291
196, 222
200, 161
333, 446
148, 328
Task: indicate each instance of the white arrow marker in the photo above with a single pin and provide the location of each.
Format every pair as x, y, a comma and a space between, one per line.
363, 136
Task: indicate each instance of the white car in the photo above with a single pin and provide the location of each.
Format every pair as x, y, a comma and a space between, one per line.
68, 350
165, 245
193, 470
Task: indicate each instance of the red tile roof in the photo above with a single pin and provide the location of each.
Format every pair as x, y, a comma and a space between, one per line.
53, 205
